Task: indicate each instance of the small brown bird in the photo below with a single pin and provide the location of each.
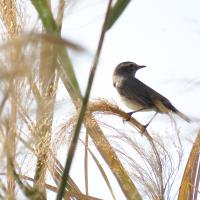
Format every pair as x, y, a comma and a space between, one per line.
138, 96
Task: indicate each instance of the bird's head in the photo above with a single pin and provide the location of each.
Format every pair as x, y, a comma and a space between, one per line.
127, 69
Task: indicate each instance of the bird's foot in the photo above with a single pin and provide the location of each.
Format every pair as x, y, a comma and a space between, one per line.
144, 127
130, 113
128, 118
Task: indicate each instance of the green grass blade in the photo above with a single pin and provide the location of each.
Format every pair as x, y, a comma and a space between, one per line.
50, 25
116, 12
46, 16
73, 144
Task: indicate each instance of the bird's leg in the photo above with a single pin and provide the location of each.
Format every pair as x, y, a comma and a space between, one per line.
145, 126
130, 114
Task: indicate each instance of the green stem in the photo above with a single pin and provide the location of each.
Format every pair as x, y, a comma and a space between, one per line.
46, 16
116, 12
73, 144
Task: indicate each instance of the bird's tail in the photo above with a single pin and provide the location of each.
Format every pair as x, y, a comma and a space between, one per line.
183, 116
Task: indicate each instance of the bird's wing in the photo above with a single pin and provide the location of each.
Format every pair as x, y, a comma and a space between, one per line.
135, 92
148, 97
161, 103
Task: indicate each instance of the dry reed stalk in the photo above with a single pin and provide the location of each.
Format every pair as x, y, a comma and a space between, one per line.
45, 109
48, 81
188, 188
104, 107
9, 16
161, 160
161, 179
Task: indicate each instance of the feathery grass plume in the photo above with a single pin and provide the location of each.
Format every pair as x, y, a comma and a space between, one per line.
11, 18
21, 86
12, 25
64, 131
144, 166
152, 164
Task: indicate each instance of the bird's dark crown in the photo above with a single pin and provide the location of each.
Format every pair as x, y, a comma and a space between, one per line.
127, 68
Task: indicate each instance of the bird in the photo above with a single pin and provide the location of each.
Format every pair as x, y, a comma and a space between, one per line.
138, 96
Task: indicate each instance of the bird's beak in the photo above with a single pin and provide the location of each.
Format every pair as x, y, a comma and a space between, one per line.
141, 66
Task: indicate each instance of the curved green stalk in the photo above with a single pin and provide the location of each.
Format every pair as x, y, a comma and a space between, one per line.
77, 129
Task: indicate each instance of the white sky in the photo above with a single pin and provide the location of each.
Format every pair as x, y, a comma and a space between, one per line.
164, 35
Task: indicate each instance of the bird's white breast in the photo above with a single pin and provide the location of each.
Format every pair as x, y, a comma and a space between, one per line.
130, 103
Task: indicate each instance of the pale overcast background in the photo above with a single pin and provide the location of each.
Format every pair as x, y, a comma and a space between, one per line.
165, 36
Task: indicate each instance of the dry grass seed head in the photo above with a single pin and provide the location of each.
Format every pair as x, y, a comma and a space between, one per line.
64, 133
19, 63
11, 17
147, 171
